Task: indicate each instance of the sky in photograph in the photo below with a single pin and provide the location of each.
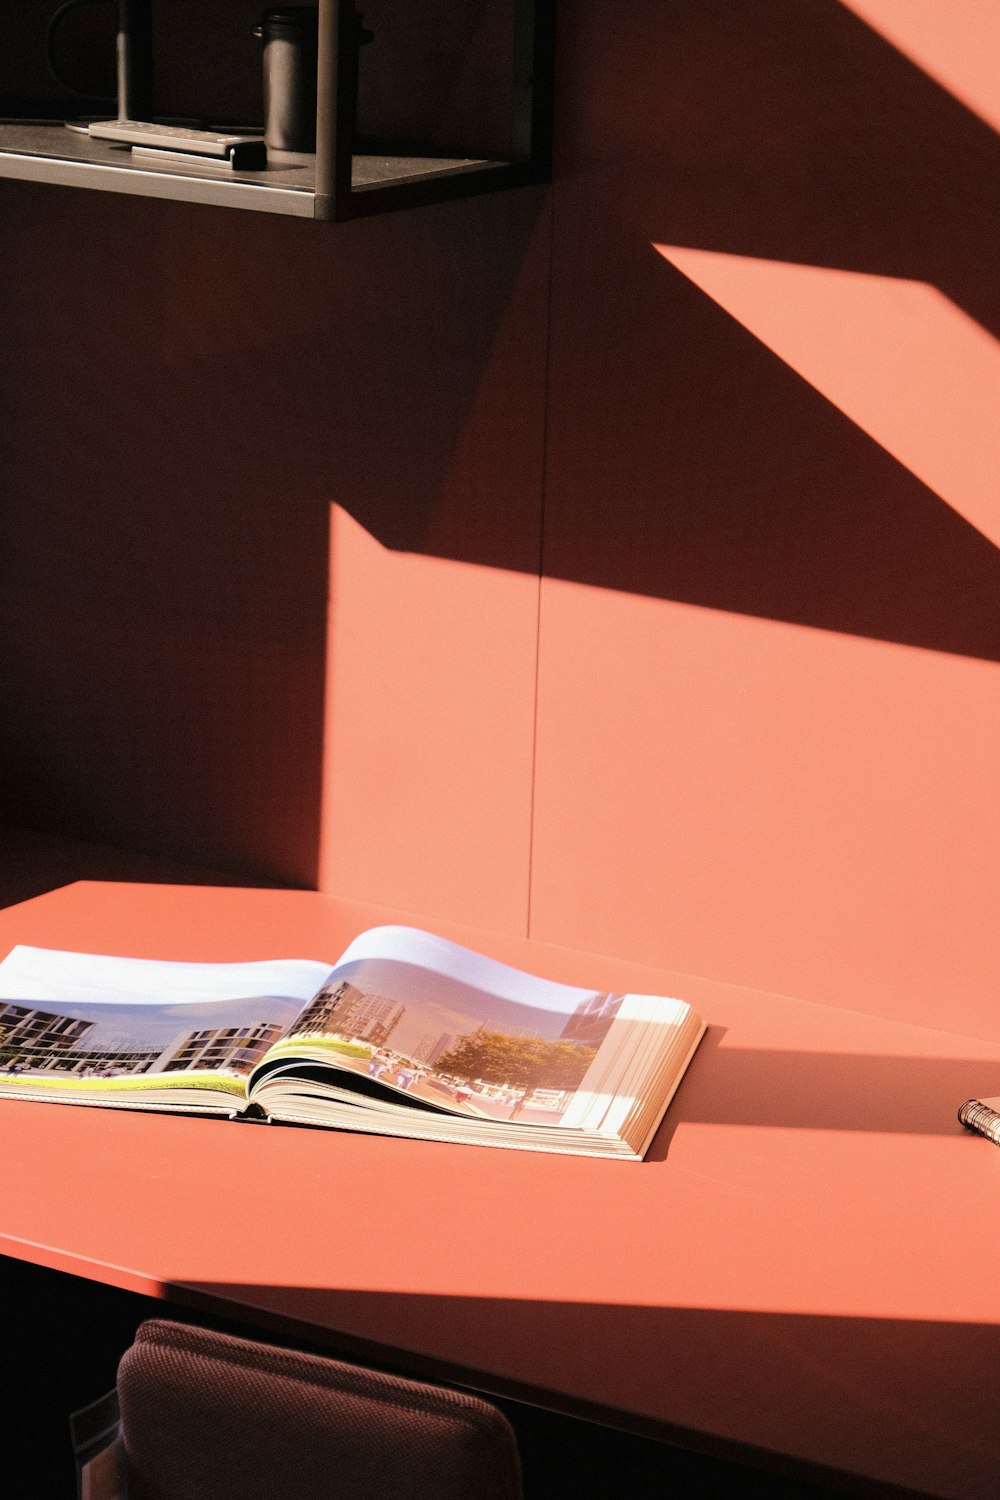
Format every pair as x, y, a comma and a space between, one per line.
42, 973
446, 989
152, 1001
438, 1004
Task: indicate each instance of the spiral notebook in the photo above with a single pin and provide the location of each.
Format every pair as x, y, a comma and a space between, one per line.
982, 1115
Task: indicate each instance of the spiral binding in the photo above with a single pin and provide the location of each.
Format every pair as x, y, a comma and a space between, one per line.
977, 1116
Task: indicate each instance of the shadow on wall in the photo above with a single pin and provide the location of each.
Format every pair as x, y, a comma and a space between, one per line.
789, 132
686, 459
174, 431
688, 462
187, 392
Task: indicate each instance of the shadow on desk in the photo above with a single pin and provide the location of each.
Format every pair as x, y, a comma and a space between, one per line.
63, 1337
33, 862
821, 1090
818, 1384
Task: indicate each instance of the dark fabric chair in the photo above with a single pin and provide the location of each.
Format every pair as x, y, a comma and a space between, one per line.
206, 1416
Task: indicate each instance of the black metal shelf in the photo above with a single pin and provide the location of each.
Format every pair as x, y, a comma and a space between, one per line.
343, 180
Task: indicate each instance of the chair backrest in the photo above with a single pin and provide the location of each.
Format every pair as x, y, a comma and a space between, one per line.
206, 1416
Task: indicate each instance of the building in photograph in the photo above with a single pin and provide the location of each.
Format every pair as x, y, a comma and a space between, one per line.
591, 1020
237, 1047
33, 1038
94, 1061
349, 1012
431, 1047
332, 1000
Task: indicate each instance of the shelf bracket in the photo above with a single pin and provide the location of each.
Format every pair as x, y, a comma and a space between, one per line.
339, 42
134, 60
534, 65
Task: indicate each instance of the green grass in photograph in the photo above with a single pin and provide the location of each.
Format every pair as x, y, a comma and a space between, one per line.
134, 1083
291, 1046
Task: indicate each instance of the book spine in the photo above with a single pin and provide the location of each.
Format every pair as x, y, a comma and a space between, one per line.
977, 1116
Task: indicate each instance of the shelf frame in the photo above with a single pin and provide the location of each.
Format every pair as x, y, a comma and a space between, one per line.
347, 183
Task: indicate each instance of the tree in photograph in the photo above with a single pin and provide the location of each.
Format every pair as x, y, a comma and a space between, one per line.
525, 1063
566, 1064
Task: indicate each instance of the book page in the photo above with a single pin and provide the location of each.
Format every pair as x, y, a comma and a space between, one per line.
91, 1025
406, 1013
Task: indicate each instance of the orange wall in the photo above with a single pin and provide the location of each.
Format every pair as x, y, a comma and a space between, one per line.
769, 722
616, 563
189, 400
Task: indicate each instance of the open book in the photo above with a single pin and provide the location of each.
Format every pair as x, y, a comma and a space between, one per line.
407, 1035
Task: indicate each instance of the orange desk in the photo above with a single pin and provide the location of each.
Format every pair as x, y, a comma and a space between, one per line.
804, 1265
